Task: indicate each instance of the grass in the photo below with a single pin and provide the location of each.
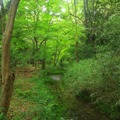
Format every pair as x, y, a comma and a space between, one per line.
41, 98
33, 100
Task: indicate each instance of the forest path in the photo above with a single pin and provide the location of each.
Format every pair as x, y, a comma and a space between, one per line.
26, 72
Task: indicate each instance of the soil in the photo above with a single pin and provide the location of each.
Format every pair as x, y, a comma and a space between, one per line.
27, 72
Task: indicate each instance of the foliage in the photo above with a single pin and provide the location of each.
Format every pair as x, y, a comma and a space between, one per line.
111, 32
78, 74
46, 32
98, 80
2, 116
86, 51
46, 105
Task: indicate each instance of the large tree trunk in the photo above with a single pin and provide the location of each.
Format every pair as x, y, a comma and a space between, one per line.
7, 77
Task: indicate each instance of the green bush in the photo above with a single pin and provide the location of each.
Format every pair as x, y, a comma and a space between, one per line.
111, 34
46, 103
2, 117
24, 94
48, 107
86, 50
97, 80
83, 75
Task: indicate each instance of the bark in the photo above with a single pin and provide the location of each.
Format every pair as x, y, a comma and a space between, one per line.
2, 22
76, 51
36, 50
7, 93
7, 77
44, 59
61, 63
43, 64
76, 34
90, 19
2, 16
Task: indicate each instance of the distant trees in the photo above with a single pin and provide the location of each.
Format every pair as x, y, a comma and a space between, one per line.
42, 29
96, 13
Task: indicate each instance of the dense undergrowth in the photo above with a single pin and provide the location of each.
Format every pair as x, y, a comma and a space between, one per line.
33, 100
97, 80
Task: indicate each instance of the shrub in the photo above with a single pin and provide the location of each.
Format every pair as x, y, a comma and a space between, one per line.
97, 80
83, 75
2, 117
24, 94
48, 108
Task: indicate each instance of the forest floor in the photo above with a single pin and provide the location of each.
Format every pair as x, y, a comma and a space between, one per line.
76, 109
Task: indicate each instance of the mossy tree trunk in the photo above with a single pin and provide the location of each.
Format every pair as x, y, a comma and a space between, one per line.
76, 32
2, 16
7, 77
2, 25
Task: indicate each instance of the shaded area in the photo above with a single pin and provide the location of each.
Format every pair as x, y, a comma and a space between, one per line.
76, 109
24, 105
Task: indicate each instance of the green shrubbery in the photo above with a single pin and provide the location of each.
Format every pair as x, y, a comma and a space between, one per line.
76, 74
97, 80
47, 106
1, 116
79, 75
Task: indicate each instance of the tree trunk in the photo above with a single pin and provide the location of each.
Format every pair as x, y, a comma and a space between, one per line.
44, 59
43, 64
7, 77
2, 17
76, 32
76, 51
2, 22
7, 93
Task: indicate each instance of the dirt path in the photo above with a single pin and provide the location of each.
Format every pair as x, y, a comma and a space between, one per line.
27, 72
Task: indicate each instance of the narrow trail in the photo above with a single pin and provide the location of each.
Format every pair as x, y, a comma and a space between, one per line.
27, 72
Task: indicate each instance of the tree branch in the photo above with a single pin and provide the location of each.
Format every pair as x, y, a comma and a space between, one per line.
79, 19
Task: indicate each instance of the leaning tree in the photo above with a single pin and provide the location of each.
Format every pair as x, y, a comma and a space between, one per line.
7, 77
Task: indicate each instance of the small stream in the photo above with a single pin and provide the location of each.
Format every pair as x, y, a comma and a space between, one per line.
56, 77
